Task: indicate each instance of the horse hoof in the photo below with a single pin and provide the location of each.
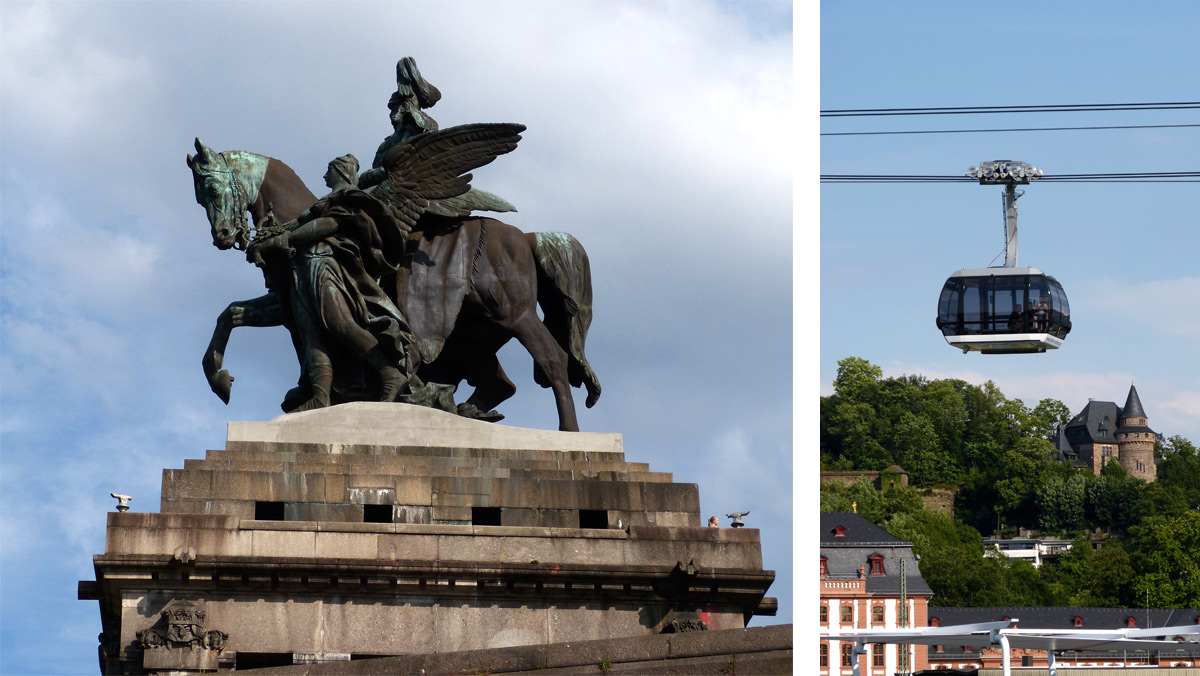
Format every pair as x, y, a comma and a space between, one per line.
472, 411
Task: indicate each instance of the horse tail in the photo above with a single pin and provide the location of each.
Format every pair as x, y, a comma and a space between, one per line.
565, 295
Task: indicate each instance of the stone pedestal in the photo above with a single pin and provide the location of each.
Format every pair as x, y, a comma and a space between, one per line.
368, 530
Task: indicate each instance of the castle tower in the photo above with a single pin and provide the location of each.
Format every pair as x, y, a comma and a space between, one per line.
1135, 440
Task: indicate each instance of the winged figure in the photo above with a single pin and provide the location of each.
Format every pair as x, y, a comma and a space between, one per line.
396, 291
348, 241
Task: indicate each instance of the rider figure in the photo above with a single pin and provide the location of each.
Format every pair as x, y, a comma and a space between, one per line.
413, 94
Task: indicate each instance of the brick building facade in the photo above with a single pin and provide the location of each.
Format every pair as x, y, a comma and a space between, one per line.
1103, 430
861, 589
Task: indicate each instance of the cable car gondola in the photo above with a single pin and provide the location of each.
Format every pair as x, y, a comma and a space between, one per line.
1004, 310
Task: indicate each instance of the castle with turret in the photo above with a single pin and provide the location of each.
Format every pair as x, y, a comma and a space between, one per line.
1102, 430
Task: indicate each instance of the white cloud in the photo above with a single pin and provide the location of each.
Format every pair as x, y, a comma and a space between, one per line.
1161, 306
658, 134
735, 475
56, 78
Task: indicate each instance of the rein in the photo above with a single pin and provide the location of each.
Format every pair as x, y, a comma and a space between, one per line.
241, 205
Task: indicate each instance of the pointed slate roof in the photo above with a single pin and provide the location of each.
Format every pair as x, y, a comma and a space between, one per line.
1133, 405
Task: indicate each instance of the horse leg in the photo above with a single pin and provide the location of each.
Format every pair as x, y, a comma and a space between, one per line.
265, 310
492, 387
552, 359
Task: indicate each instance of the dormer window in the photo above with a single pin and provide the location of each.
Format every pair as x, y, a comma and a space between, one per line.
1130, 622
876, 564
1078, 621
935, 622
839, 532
824, 565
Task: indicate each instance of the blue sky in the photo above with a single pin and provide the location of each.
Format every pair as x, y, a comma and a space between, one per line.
1125, 253
659, 134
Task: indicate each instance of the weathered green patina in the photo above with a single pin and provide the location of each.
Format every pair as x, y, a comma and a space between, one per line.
394, 291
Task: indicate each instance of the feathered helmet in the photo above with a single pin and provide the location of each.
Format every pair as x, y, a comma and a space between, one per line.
409, 83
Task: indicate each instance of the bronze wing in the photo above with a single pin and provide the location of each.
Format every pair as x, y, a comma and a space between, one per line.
433, 166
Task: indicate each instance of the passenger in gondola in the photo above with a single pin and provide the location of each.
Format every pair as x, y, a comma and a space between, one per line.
1016, 322
1041, 315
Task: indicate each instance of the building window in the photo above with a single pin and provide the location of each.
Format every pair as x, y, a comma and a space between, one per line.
876, 564
824, 614
1130, 622
1078, 621
824, 654
824, 566
847, 651
939, 648
877, 655
847, 614
840, 532
877, 614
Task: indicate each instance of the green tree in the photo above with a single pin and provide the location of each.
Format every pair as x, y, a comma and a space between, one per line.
1180, 469
855, 425
1113, 498
862, 497
941, 403
1060, 503
1165, 555
918, 451
1111, 577
1071, 573
1020, 470
929, 531
857, 380
1046, 416
960, 577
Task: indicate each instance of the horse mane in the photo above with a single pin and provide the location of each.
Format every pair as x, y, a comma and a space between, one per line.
282, 190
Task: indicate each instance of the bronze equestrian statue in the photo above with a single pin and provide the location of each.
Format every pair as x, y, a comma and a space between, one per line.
394, 291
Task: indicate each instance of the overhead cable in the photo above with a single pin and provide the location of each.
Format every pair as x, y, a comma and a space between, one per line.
986, 110
985, 131
1138, 177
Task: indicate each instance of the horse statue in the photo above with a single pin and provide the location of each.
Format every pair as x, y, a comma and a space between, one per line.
466, 284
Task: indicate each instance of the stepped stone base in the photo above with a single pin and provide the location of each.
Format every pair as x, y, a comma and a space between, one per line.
368, 530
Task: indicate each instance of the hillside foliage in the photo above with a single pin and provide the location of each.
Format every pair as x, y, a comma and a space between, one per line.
996, 454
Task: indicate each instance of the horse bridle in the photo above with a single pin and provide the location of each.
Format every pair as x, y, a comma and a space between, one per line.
241, 204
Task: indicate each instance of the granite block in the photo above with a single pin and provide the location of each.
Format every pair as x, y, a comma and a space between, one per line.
348, 545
